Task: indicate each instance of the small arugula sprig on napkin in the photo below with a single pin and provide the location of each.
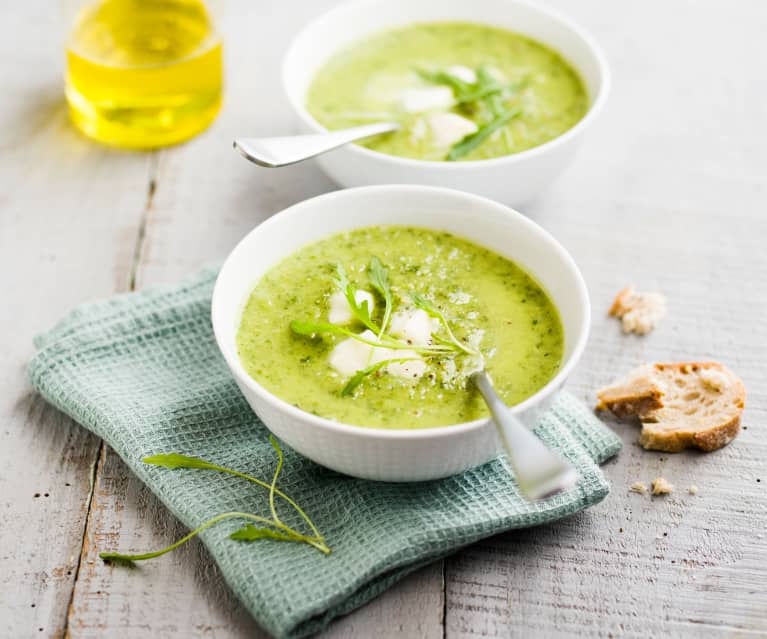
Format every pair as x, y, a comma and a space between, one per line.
487, 91
378, 277
273, 528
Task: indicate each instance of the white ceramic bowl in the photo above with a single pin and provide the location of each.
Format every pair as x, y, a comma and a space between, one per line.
396, 455
513, 179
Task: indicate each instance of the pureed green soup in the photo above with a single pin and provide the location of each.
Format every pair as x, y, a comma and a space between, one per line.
299, 336
462, 91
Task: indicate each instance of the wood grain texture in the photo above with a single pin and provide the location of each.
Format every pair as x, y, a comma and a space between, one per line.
68, 218
668, 194
206, 197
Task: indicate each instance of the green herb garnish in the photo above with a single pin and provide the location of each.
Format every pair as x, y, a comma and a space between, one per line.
360, 311
272, 528
361, 375
474, 140
460, 88
425, 305
310, 329
378, 275
487, 91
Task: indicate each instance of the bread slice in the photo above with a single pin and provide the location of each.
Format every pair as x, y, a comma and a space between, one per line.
682, 405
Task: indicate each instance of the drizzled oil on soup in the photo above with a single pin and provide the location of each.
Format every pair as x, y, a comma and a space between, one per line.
461, 91
381, 327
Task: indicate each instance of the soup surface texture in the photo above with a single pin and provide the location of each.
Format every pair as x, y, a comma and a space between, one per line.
494, 309
462, 91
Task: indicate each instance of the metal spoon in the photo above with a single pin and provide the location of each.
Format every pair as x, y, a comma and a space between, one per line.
540, 473
274, 152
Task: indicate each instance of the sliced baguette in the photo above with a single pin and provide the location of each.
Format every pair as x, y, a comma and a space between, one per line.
682, 405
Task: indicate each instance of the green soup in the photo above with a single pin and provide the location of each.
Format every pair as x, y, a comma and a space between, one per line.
492, 308
450, 84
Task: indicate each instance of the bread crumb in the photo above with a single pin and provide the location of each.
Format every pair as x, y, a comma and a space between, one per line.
693, 489
661, 486
638, 487
639, 312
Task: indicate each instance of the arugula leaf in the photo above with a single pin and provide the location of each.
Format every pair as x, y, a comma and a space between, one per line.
252, 533
484, 76
361, 375
425, 305
474, 140
360, 311
487, 86
277, 471
493, 90
311, 329
128, 559
378, 275
446, 78
495, 101
175, 460
249, 532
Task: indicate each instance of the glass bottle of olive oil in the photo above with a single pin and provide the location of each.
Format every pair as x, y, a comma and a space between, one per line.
143, 73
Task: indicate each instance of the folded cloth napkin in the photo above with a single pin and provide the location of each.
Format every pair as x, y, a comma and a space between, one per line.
143, 372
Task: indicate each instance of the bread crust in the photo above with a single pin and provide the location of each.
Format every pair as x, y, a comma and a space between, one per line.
619, 303
681, 405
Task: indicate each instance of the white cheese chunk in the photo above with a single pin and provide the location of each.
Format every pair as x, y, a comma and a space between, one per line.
351, 355
415, 327
423, 99
448, 128
340, 312
407, 370
463, 73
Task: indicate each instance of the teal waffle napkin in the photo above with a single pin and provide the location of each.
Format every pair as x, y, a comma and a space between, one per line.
143, 372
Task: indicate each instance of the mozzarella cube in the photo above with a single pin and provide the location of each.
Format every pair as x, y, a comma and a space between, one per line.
423, 99
463, 73
340, 312
352, 355
448, 128
415, 327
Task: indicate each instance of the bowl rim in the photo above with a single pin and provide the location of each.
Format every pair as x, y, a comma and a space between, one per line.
373, 432
595, 108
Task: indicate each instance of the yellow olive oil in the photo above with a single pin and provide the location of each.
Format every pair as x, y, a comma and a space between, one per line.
144, 73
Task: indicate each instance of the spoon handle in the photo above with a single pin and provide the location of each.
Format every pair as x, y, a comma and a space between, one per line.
275, 152
539, 472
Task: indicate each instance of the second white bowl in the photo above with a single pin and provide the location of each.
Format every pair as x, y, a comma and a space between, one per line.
513, 179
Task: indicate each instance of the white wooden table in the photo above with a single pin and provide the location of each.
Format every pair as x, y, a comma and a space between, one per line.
670, 193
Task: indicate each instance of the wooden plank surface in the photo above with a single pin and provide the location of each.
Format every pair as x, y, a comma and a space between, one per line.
668, 194
69, 212
205, 199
